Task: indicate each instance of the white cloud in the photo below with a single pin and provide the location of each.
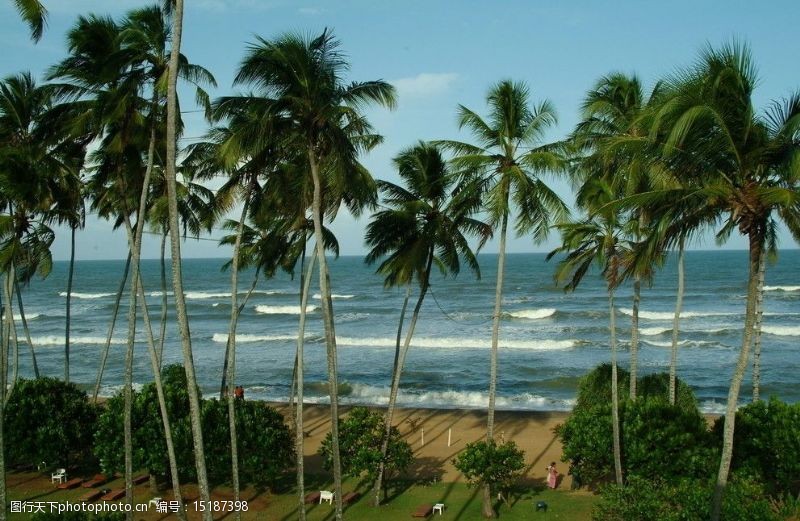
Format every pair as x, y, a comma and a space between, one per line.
424, 85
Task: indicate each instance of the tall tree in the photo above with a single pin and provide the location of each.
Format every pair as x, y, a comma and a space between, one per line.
305, 78
743, 168
423, 225
599, 239
507, 162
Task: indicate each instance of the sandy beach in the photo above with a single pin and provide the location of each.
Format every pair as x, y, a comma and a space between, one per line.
532, 431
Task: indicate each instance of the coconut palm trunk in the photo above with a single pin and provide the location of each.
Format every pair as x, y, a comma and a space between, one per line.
155, 363
330, 333
163, 331
299, 433
400, 359
69, 302
175, 253
14, 340
676, 321
756, 240
637, 292
230, 359
762, 267
612, 325
292, 387
107, 346
26, 329
3, 378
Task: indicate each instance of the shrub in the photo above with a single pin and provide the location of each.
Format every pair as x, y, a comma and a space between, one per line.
594, 388
686, 500
657, 386
766, 444
360, 439
48, 420
490, 463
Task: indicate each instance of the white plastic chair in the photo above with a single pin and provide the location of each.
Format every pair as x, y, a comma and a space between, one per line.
438, 507
325, 495
59, 475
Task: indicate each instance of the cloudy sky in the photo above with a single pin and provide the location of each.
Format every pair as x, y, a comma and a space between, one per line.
439, 54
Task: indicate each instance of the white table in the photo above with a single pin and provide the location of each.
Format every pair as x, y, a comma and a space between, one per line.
325, 495
438, 507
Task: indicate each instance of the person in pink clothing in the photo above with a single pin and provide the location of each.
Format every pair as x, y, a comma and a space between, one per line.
552, 475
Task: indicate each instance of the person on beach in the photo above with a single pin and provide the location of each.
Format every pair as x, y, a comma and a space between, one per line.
552, 475
238, 392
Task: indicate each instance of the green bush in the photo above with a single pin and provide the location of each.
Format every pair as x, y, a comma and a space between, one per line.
361, 435
766, 444
47, 420
490, 463
686, 500
265, 444
658, 440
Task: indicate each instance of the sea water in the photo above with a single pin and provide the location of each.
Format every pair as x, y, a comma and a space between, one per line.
548, 338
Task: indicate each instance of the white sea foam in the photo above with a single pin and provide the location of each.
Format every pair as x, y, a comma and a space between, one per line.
28, 316
533, 314
246, 338
781, 330
669, 315
283, 310
654, 331
55, 340
87, 295
781, 288
317, 296
201, 295
684, 342
458, 342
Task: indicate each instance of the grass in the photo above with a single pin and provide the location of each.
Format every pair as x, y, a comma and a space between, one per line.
462, 503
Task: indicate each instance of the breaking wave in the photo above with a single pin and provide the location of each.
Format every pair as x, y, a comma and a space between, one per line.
533, 314
283, 310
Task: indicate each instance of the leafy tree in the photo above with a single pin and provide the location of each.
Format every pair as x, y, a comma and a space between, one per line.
34, 13
425, 224
492, 466
766, 445
48, 420
361, 436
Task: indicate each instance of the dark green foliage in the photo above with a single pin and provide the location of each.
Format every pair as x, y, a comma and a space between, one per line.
657, 386
766, 444
47, 420
360, 436
595, 388
265, 441
665, 441
658, 440
487, 463
686, 500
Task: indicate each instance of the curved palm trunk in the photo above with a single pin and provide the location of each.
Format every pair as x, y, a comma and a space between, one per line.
15, 342
230, 359
612, 324
487, 509
69, 303
175, 253
163, 332
107, 346
762, 267
673, 362
26, 330
756, 245
292, 385
3, 378
637, 291
330, 333
155, 363
400, 358
299, 434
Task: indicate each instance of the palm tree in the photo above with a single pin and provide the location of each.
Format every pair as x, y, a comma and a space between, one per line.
739, 164
34, 14
599, 240
612, 140
507, 162
304, 77
175, 251
424, 225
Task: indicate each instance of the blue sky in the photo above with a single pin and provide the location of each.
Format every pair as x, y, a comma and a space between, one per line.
439, 54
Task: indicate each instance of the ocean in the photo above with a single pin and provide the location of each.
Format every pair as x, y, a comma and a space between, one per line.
548, 338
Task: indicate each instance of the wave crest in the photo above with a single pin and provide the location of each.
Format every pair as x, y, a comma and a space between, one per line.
533, 314
283, 310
